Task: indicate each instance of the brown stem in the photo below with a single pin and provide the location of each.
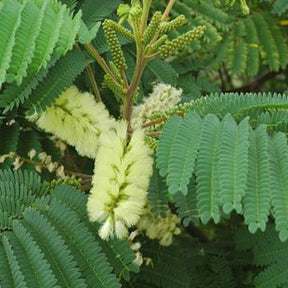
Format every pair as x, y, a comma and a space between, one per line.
140, 64
164, 18
100, 60
168, 10
256, 85
93, 83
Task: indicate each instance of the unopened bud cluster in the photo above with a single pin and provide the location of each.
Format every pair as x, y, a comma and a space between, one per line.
168, 26
114, 86
114, 45
162, 229
68, 180
153, 27
178, 43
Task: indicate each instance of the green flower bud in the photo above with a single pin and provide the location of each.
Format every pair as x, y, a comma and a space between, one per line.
244, 7
153, 27
121, 30
115, 87
178, 43
115, 70
168, 26
159, 43
114, 45
151, 142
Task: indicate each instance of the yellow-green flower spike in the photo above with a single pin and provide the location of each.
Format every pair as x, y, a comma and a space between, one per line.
115, 87
153, 27
114, 45
244, 7
168, 26
178, 43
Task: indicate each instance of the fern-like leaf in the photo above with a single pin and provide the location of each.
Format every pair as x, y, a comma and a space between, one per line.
117, 251
15, 277
55, 251
57, 80
13, 96
31, 32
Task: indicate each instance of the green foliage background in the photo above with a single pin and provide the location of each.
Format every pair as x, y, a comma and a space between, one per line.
231, 125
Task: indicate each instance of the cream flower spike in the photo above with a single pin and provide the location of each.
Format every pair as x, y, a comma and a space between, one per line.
162, 229
163, 97
78, 119
120, 182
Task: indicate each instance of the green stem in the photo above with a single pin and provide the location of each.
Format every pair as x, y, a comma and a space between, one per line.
93, 83
145, 15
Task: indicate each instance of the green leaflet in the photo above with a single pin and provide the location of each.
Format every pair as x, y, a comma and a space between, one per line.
10, 15
238, 58
279, 183
253, 57
157, 194
187, 205
168, 137
95, 10
273, 276
280, 6
183, 154
233, 164
267, 42
163, 71
208, 188
257, 198
9, 136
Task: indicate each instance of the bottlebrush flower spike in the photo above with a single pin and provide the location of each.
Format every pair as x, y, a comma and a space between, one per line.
163, 97
78, 119
120, 182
